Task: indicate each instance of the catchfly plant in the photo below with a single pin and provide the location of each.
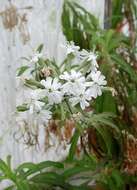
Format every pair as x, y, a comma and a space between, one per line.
58, 93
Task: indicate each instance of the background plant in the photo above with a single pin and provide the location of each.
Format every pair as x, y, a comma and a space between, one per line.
117, 60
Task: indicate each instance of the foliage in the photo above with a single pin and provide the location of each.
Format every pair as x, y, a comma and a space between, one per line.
123, 10
76, 175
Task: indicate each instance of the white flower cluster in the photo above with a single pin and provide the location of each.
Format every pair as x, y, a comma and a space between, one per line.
81, 90
77, 85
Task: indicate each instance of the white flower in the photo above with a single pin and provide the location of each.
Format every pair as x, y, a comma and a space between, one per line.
98, 81
95, 90
74, 82
36, 94
82, 98
35, 105
71, 47
52, 90
43, 116
72, 76
90, 57
93, 59
36, 57
98, 78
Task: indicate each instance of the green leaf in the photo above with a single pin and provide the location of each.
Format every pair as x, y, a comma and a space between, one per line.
46, 164
9, 161
22, 108
48, 178
22, 185
102, 119
7, 172
117, 14
105, 103
21, 70
107, 138
116, 175
78, 24
74, 170
35, 83
34, 168
73, 146
40, 48
119, 61
27, 165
